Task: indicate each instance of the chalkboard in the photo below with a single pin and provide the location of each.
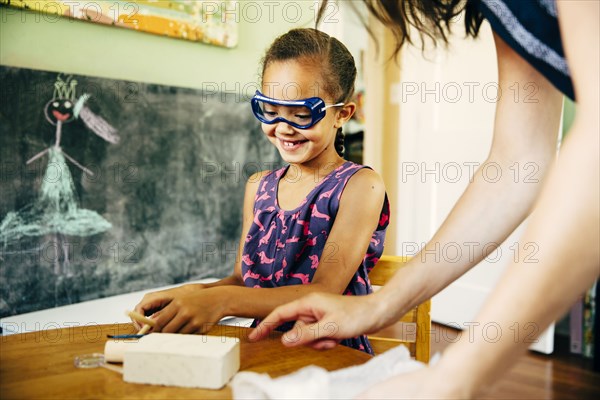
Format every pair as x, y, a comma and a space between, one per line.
170, 190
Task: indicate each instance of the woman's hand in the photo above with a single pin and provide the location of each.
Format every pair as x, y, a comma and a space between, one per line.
322, 320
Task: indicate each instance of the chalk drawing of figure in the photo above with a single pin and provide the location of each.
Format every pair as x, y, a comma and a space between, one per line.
55, 211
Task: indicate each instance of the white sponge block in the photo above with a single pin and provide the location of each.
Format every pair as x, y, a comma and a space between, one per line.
182, 360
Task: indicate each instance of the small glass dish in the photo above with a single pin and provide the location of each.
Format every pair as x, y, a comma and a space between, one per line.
92, 360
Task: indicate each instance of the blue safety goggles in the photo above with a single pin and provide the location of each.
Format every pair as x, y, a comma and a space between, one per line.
301, 114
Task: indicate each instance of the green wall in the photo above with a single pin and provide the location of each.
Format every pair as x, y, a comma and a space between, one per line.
48, 42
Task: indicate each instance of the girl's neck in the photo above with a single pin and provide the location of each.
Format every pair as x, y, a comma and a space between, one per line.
317, 170
300, 180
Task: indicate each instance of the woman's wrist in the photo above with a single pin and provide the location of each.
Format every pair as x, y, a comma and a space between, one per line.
387, 307
378, 307
457, 373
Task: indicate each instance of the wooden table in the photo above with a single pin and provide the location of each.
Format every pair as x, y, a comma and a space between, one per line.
40, 364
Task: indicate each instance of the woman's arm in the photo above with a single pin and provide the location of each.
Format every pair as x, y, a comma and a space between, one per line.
525, 131
565, 224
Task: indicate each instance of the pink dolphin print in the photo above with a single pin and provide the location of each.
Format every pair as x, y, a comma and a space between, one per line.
264, 196
294, 239
317, 214
309, 242
281, 217
327, 194
384, 218
339, 174
303, 277
305, 225
369, 255
279, 274
261, 227
314, 261
265, 239
264, 186
250, 275
264, 259
246, 260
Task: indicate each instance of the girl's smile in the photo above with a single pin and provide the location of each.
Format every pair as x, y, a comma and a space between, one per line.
291, 145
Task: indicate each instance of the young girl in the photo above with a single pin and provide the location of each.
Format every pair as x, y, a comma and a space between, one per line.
317, 224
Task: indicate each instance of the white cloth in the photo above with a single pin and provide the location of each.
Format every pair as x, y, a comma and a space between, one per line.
317, 383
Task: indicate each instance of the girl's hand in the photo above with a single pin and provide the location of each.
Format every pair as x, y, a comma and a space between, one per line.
192, 312
322, 320
152, 303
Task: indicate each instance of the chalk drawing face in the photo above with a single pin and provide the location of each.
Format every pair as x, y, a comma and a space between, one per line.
59, 110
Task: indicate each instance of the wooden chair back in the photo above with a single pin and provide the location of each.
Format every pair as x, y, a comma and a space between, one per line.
413, 329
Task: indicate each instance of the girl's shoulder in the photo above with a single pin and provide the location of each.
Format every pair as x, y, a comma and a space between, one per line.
358, 175
354, 181
362, 181
365, 179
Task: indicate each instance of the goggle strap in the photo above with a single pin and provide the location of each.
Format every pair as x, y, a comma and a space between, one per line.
331, 105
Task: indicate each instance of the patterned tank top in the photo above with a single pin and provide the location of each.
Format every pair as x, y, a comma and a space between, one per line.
285, 247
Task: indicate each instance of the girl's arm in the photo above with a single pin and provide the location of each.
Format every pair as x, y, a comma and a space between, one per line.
357, 219
346, 246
